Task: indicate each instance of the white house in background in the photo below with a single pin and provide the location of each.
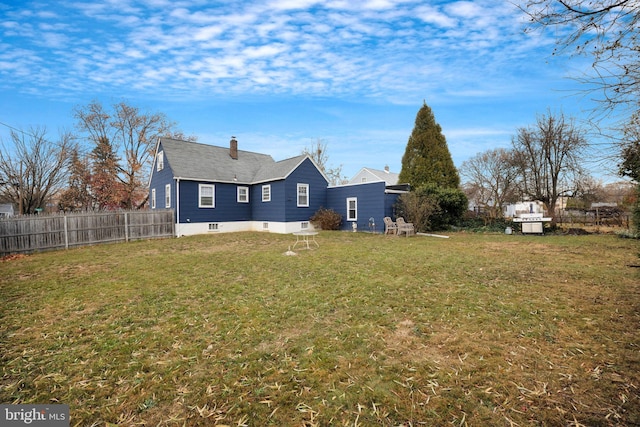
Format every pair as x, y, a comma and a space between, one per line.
6, 210
375, 175
531, 207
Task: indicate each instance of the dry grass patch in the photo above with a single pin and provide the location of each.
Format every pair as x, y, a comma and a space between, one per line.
365, 330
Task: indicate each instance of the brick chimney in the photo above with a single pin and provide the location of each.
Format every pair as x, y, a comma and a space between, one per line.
233, 148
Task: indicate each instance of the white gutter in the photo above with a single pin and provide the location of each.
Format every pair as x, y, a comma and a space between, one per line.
177, 207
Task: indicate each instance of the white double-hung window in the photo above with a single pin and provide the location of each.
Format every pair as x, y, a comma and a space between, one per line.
160, 161
303, 195
243, 194
266, 193
352, 209
206, 196
167, 196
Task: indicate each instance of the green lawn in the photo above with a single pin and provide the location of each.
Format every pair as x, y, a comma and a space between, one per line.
477, 330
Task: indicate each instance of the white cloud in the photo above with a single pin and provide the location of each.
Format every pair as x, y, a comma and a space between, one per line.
432, 15
207, 33
263, 51
464, 9
291, 4
378, 48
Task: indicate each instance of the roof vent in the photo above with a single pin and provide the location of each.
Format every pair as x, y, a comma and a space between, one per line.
233, 148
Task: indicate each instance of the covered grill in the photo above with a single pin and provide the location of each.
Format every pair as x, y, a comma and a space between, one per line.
532, 223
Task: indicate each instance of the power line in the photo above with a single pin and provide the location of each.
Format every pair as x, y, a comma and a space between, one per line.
15, 129
32, 135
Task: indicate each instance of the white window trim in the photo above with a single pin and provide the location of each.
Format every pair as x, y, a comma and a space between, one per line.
268, 188
246, 193
306, 187
160, 161
352, 199
153, 198
167, 196
213, 199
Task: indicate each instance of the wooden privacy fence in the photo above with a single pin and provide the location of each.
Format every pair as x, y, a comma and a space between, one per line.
58, 231
612, 217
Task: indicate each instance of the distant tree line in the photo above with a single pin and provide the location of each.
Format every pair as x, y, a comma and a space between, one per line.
607, 32
103, 164
545, 160
544, 163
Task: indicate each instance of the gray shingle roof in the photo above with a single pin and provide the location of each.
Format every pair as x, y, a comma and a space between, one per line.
278, 170
201, 162
391, 178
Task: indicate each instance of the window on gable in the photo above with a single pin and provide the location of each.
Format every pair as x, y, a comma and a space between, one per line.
266, 193
243, 194
206, 196
352, 209
167, 196
153, 198
303, 195
160, 161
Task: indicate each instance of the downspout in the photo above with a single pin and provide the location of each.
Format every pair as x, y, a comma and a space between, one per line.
177, 207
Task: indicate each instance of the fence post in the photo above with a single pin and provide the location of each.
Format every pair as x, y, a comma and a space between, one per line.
66, 233
126, 227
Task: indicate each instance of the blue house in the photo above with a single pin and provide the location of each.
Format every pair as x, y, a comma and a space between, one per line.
224, 189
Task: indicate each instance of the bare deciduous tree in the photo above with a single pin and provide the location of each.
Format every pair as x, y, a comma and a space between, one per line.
491, 176
318, 152
133, 135
34, 169
548, 157
606, 30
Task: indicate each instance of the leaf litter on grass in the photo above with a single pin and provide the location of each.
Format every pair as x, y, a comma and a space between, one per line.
476, 330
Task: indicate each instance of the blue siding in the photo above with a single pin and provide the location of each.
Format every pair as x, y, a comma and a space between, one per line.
159, 179
389, 205
226, 204
268, 211
283, 206
371, 203
305, 173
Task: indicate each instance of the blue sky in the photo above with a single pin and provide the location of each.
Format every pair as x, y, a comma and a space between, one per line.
282, 74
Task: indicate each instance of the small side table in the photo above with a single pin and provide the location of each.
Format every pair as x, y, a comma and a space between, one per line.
305, 238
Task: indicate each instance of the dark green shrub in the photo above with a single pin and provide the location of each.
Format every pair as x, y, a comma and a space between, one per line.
432, 208
326, 219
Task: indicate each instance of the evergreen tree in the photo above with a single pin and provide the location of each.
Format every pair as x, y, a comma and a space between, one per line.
78, 195
107, 189
427, 159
